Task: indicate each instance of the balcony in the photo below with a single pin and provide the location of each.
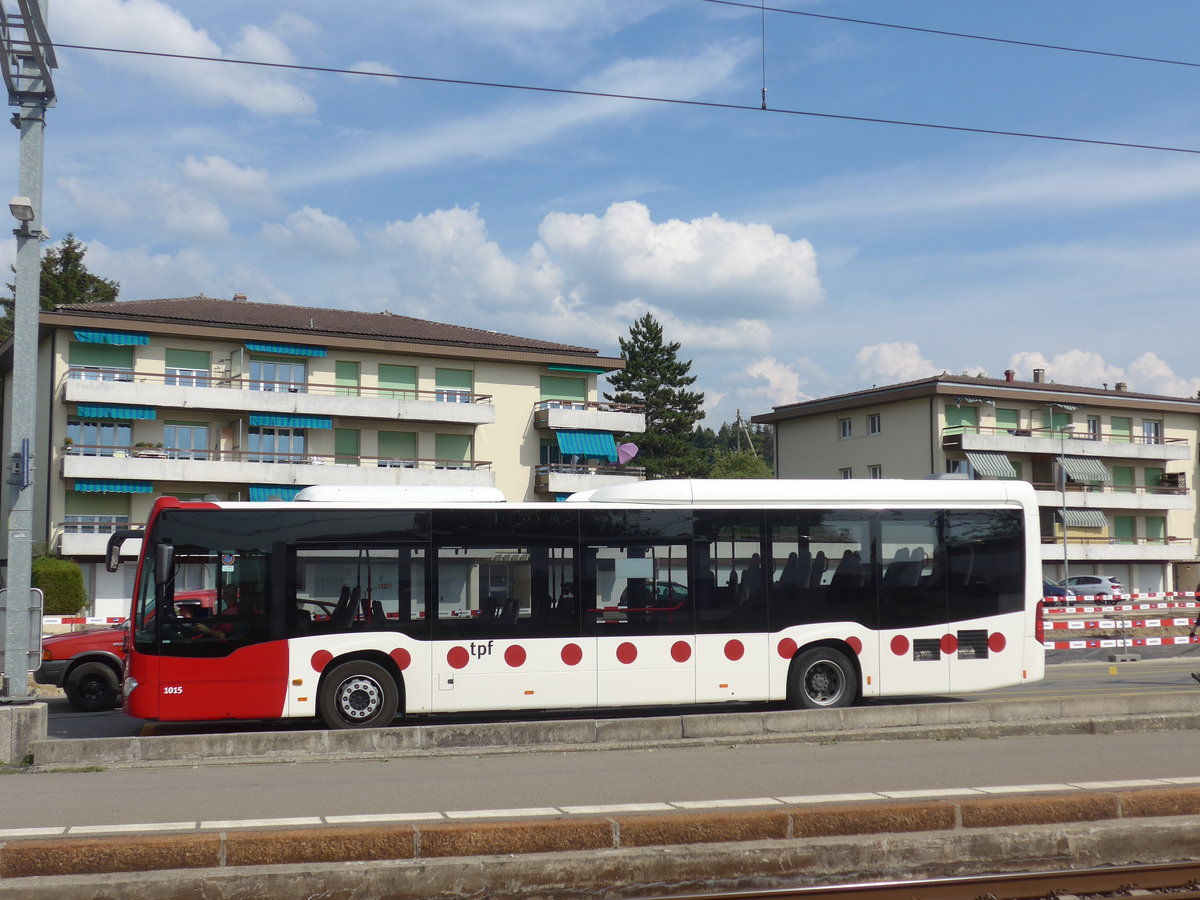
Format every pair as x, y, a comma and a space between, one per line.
1104, 549
564, 415
90, 538
1113, 497
561, 478
245, 467
281, 398
1046, 441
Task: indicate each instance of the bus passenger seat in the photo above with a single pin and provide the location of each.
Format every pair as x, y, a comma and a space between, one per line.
378, 617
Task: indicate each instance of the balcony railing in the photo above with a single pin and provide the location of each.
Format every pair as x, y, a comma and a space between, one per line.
98, 373
1074, 540
1083, 487
584, 469
99, 525
1058, 435
270, 456
596, 405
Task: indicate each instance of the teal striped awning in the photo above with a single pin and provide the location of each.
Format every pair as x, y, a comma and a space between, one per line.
113, 486
583, 370
293, 421
104, 336
260, 493
590, 444
1084, 518
991, 463
285, 349
97, 411
1086, 468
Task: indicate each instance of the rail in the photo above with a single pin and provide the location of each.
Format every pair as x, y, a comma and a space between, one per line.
597, 405
1086, 488
1058, 435
583, 469
270, 456
240, 383
1074, 540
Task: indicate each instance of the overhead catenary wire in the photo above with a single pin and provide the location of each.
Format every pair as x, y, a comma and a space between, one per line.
577, 92
957, 34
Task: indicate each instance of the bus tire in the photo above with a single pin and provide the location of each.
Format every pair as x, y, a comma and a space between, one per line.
92, 686
358, 694
822, 678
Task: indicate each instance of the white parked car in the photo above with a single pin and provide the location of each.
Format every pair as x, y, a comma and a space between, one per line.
1095, 585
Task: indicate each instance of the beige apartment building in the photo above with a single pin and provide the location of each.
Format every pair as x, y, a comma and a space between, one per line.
1114, 470
204, 398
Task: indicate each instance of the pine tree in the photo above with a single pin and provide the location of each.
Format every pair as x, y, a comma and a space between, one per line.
65, 279
655, 377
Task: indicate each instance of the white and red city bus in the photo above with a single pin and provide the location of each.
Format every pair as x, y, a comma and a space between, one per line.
356, 605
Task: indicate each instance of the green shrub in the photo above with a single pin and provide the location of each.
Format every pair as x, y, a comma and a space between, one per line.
61, 581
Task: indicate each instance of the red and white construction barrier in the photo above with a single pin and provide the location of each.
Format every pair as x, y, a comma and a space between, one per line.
1106, 643
83, 620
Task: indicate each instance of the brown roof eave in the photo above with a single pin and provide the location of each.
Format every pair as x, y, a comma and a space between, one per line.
65, 319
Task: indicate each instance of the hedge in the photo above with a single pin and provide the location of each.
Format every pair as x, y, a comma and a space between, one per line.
61, 581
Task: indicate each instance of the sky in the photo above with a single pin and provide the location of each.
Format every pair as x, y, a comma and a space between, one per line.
793, 256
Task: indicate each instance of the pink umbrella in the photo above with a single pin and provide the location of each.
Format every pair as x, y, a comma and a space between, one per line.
626, 452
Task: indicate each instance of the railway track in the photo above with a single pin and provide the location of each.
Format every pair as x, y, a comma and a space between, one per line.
1175, 881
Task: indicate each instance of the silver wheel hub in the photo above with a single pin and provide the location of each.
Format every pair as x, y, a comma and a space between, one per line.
823, 683
359, 698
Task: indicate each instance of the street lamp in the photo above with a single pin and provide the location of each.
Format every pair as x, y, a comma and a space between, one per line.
1062, 474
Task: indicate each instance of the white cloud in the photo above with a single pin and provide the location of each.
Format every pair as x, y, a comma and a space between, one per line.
104, 205
153, 25
310, 230
1079, 367
370, 65
217, 173
783, 382
894, 361
1151, 375
185, 214
707, 265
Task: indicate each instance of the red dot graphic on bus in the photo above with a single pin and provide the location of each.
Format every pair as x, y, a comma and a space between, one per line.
457, 657
854, 644
734, 650
996, 642
626, 653
571, 654
320, 660
899, 645
515, 656
949, 644
401, 657
681, 651
787, 648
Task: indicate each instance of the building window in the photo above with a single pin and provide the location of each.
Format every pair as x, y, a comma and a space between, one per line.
876, 471
846, 473
187, 368
453, 385
276, 444
1151, 431
100, 362
1093, 428
873, 425
843, 428
960, 467
274, 375
100, 438
184, 440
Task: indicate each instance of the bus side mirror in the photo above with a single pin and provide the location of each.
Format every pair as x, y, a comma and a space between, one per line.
164, 563
112, 553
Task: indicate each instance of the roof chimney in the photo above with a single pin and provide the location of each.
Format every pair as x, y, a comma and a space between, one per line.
1039, 375
1010, 375
1120, 386
239, 298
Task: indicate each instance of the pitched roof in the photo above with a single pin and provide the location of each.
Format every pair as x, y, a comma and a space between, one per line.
313, 320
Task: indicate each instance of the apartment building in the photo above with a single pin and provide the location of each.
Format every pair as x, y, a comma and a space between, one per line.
1114, 470
209, 398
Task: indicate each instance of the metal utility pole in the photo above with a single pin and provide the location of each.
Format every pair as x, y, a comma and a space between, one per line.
28, 59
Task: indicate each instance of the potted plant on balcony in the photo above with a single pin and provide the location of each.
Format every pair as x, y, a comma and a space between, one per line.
147, 448
67, 444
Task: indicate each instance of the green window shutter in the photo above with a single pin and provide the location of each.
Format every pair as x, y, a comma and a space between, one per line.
397, 445
1123, 479
455, 447
964, 419
346, 378
1125, 529
558, 387
105, 355
345, 446
1008, 418
1121, 427
1151, 477
97, 504
453, 379
188, 359
1156, 529
399, 382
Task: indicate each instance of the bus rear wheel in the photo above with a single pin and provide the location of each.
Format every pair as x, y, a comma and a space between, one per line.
822, 678
358, 694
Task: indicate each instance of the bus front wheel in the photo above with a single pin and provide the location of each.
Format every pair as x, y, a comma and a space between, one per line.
358, 694
822, 678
